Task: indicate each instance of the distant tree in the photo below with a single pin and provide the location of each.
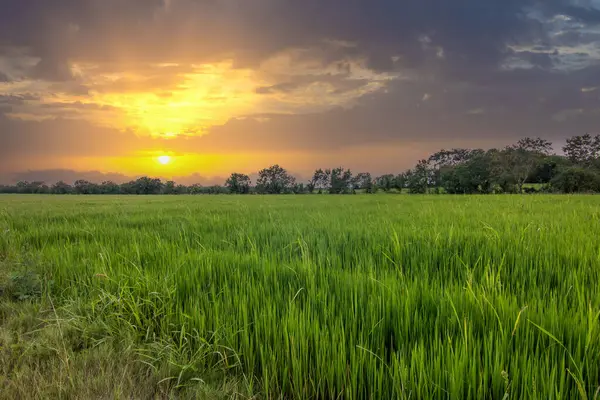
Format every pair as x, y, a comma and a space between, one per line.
515, 164
274, 180
61, 187
418, 178
82, 186
144, 186
181, 189
548, 169
364, 181
577, 179
23, 187
216, 189
319, 181
127, 188
451, 158
583, 150
438, 164
38, 187
340, 181
299, 188
400, 182
170, 187
195, 189
238, 183
537, 146
472, 176
385, 182
109, 187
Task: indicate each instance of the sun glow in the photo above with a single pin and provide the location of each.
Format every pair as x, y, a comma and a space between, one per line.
188, 102
164, 160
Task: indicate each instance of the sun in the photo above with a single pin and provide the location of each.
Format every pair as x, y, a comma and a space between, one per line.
164, 160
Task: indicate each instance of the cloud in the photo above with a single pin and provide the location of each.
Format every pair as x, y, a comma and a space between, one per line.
469, 32
95, 78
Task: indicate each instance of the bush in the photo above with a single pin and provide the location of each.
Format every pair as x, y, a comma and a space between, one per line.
576, 180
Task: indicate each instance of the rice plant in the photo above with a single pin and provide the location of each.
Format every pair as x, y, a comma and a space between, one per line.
354, 297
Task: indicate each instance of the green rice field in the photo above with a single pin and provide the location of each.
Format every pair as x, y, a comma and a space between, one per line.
310, 297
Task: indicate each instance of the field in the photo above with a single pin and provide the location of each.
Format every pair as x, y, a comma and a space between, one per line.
300, 297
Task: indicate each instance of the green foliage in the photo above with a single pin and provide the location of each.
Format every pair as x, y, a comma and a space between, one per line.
363, 181
238, 183
583, 150
385, 182
341, 181
308, 296
577, 179
455, 171
274, 180
418, 179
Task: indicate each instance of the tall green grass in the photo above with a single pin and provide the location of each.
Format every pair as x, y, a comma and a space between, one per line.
331, 297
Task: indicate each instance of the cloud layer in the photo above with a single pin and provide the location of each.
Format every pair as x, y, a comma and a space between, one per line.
93, 84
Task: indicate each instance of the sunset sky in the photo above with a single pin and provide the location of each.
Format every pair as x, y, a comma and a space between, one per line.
103, 88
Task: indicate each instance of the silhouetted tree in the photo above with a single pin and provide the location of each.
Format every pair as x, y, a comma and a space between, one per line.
82, 186
418, 178
364, 181
299, 188
385, 182
110, 187
319, 181
274, 180
143, 186
340, 181
583, 150
61, 187
195, 189
577, 179
238, 183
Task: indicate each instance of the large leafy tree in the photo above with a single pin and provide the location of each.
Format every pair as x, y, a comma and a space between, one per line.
319, 181
418, 178
82, 186
577, 179
364, 181
274, 180
583, 150
471, 176
385, 182
61, 187
143, 185
516, 163
109, 187
238, 183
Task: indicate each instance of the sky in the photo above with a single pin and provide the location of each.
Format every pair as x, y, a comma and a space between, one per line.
100, 89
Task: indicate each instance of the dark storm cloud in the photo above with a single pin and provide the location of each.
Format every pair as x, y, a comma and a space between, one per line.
467, 31
77, 105
58, 137
341, 84
536, 58
574, 37
14, 100
454, 56
507, 105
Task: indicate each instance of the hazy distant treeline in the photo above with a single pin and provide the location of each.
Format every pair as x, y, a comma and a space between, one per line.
530, 165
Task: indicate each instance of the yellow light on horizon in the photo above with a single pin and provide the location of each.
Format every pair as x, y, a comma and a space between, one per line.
164, 160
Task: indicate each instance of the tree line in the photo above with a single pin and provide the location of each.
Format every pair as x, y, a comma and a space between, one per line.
530, 165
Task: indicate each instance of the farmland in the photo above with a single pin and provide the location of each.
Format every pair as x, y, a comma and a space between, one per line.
301, 296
